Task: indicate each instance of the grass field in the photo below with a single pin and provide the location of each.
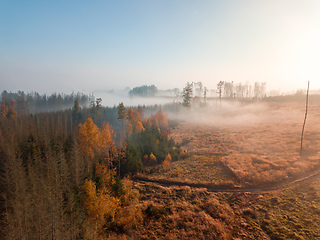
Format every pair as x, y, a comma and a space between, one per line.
245, 144
189, 213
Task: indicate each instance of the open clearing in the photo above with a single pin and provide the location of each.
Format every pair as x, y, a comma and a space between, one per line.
238, 148
245, 145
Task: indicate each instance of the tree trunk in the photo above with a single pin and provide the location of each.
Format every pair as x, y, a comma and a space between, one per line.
305, 117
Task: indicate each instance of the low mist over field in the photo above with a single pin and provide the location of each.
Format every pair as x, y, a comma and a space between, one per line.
113, 98
160, 119
237, 113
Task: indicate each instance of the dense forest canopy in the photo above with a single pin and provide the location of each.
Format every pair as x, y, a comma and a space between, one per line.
64, 174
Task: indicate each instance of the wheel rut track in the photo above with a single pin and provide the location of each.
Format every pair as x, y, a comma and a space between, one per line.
262, 188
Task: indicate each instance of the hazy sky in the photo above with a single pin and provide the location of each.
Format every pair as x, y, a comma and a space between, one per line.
65, 46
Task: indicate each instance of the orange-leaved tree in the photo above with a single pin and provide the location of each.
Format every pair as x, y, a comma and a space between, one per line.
130, 115
163, 119
4, 108
147, 123
152, 159
139, 127
105, 141
12, 114
167, 161
105, 207
130, 214
88, 135
95, 142
99, 205
128, 128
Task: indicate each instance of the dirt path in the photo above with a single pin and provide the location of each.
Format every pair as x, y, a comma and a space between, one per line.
309, 177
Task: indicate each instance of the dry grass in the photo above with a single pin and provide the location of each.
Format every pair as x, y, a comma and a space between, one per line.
187, 213
261, 149
193, 169
265, 150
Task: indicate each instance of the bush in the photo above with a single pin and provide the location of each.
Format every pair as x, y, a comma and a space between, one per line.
154, 212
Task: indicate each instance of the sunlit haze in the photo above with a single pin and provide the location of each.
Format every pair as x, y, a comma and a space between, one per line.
64, 46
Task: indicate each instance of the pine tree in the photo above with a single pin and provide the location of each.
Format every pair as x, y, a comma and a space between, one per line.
187, 95
76, 114
122, 114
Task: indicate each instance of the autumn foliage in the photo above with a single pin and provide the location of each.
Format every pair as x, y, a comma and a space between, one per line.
95, 142
107, 207
61, 173
167, 161
88, 136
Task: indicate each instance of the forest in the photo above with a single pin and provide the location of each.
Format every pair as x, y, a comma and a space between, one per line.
219, 168
65, 174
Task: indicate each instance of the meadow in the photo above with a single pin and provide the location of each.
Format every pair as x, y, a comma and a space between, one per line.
245, 144
248, 145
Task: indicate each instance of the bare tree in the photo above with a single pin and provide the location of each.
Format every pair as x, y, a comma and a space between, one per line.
220, 86
305, 116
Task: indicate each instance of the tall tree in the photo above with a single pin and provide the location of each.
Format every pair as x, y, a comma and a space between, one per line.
130, 116
76, 114
12, 112
205, 94
220, 87
122, 114
4, 108
187, 95
88, 134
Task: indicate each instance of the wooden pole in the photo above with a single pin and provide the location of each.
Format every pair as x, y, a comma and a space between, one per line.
305, 117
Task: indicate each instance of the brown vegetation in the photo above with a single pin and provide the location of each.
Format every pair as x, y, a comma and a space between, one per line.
260, 149
186, 213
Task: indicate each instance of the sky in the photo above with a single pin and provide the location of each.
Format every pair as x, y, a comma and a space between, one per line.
65, 46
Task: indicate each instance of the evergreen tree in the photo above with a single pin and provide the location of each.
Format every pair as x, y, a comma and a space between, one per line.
187, 95
76, 114
122, 114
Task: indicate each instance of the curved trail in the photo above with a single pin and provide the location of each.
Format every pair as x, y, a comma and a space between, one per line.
268, 187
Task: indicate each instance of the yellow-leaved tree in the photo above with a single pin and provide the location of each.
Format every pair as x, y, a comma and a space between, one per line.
88, 135
95, 142
167, 161
106, 145
130, 214
105, 207
99, 205
152, 159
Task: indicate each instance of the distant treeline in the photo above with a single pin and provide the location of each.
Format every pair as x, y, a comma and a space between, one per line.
240, 90
144, 91
35, 102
